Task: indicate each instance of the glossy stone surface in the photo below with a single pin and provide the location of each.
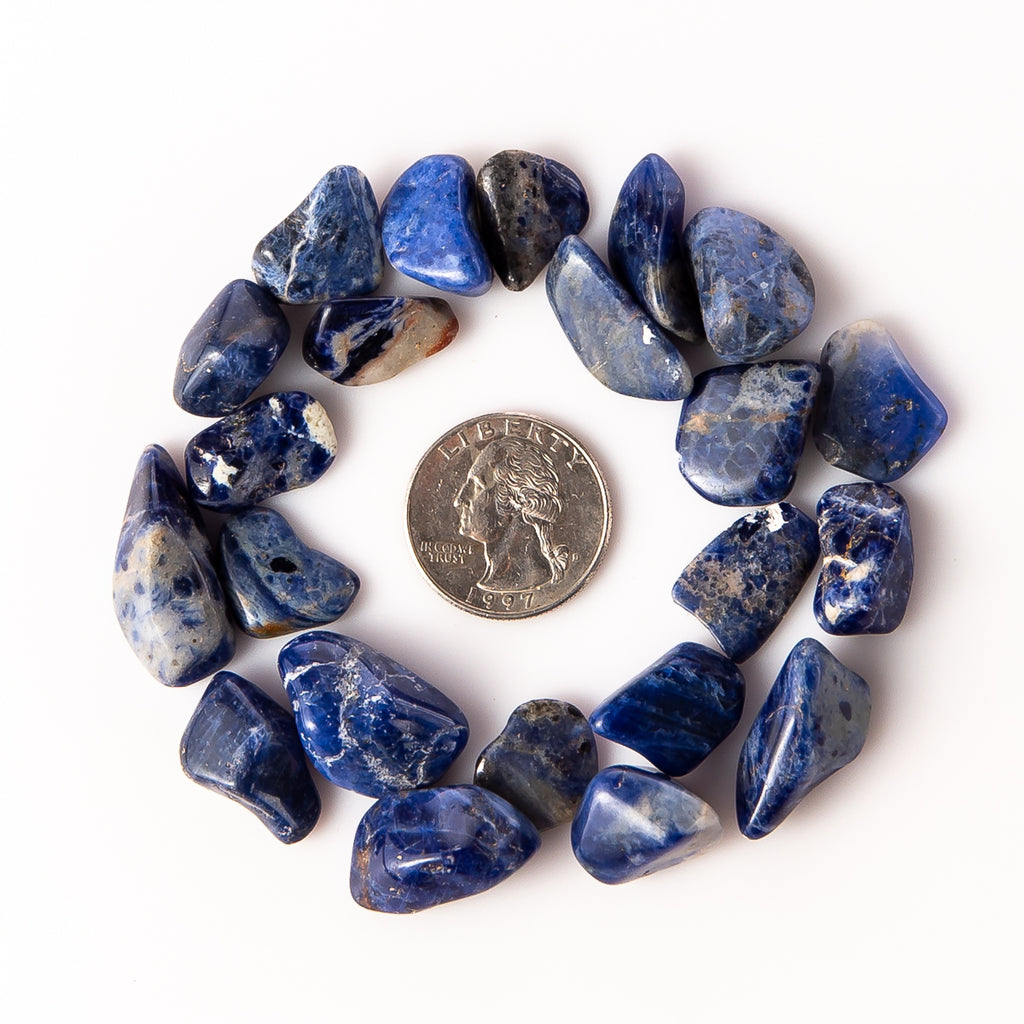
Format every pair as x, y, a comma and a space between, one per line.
877, 417
633, 822
677, 710
528, 204
743, 429
274, 444
167, 597
755, 291
813, 722
867, 559
242, 744
542, 761
366, 722
745, 580
646, 251
416, 850
230, 351
328, 247
430, 228
615, 340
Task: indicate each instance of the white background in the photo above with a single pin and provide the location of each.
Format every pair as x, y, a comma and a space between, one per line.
149, 148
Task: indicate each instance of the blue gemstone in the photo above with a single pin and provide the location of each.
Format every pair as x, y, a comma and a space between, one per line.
167, 597
868, 559
755, 291
274, 444
646, 251
744, 581
877, 418
368, 723
743, 428
814, 721
677, 710
328, 247
413, 851
429, 226
240, 743
615, 340
633, 822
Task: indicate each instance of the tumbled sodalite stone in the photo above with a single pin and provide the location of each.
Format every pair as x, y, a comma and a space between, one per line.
744, 581
877, 417
328, 247
615, 340
541, 762
633, 822
814, 721
646, 251
276, 584
416, 850
867, 559
677, 710
167, 597
430, 228
276, 443
368, 723
364, 341
528, 204
743, 429
755, 291
240, 743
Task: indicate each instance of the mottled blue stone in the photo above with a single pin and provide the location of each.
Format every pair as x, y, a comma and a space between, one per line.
867, 559
430, 228
646, 251
230, 351
368, 723
677, 710
743, 429
274, 444
814, 721
240, 743
877, 417
328, 247
167, 597
615, 340
755, 291
633, 822
744, 581
416, 850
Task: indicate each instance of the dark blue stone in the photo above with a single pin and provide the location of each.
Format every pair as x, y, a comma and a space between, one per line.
867, 559
240, 743
167, 597
230, 351
677, 710
743, 428
755, 291
274, 444
744, 581
430, 229
877, 417
413, 851
814, 721
368, 723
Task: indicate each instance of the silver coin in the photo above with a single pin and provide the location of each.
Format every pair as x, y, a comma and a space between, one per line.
508, 515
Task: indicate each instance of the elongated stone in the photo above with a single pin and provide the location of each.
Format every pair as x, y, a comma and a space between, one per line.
745, 580
366, 722
615, 340
243, 745
167, 597
274, 444
416, 850
813, 722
